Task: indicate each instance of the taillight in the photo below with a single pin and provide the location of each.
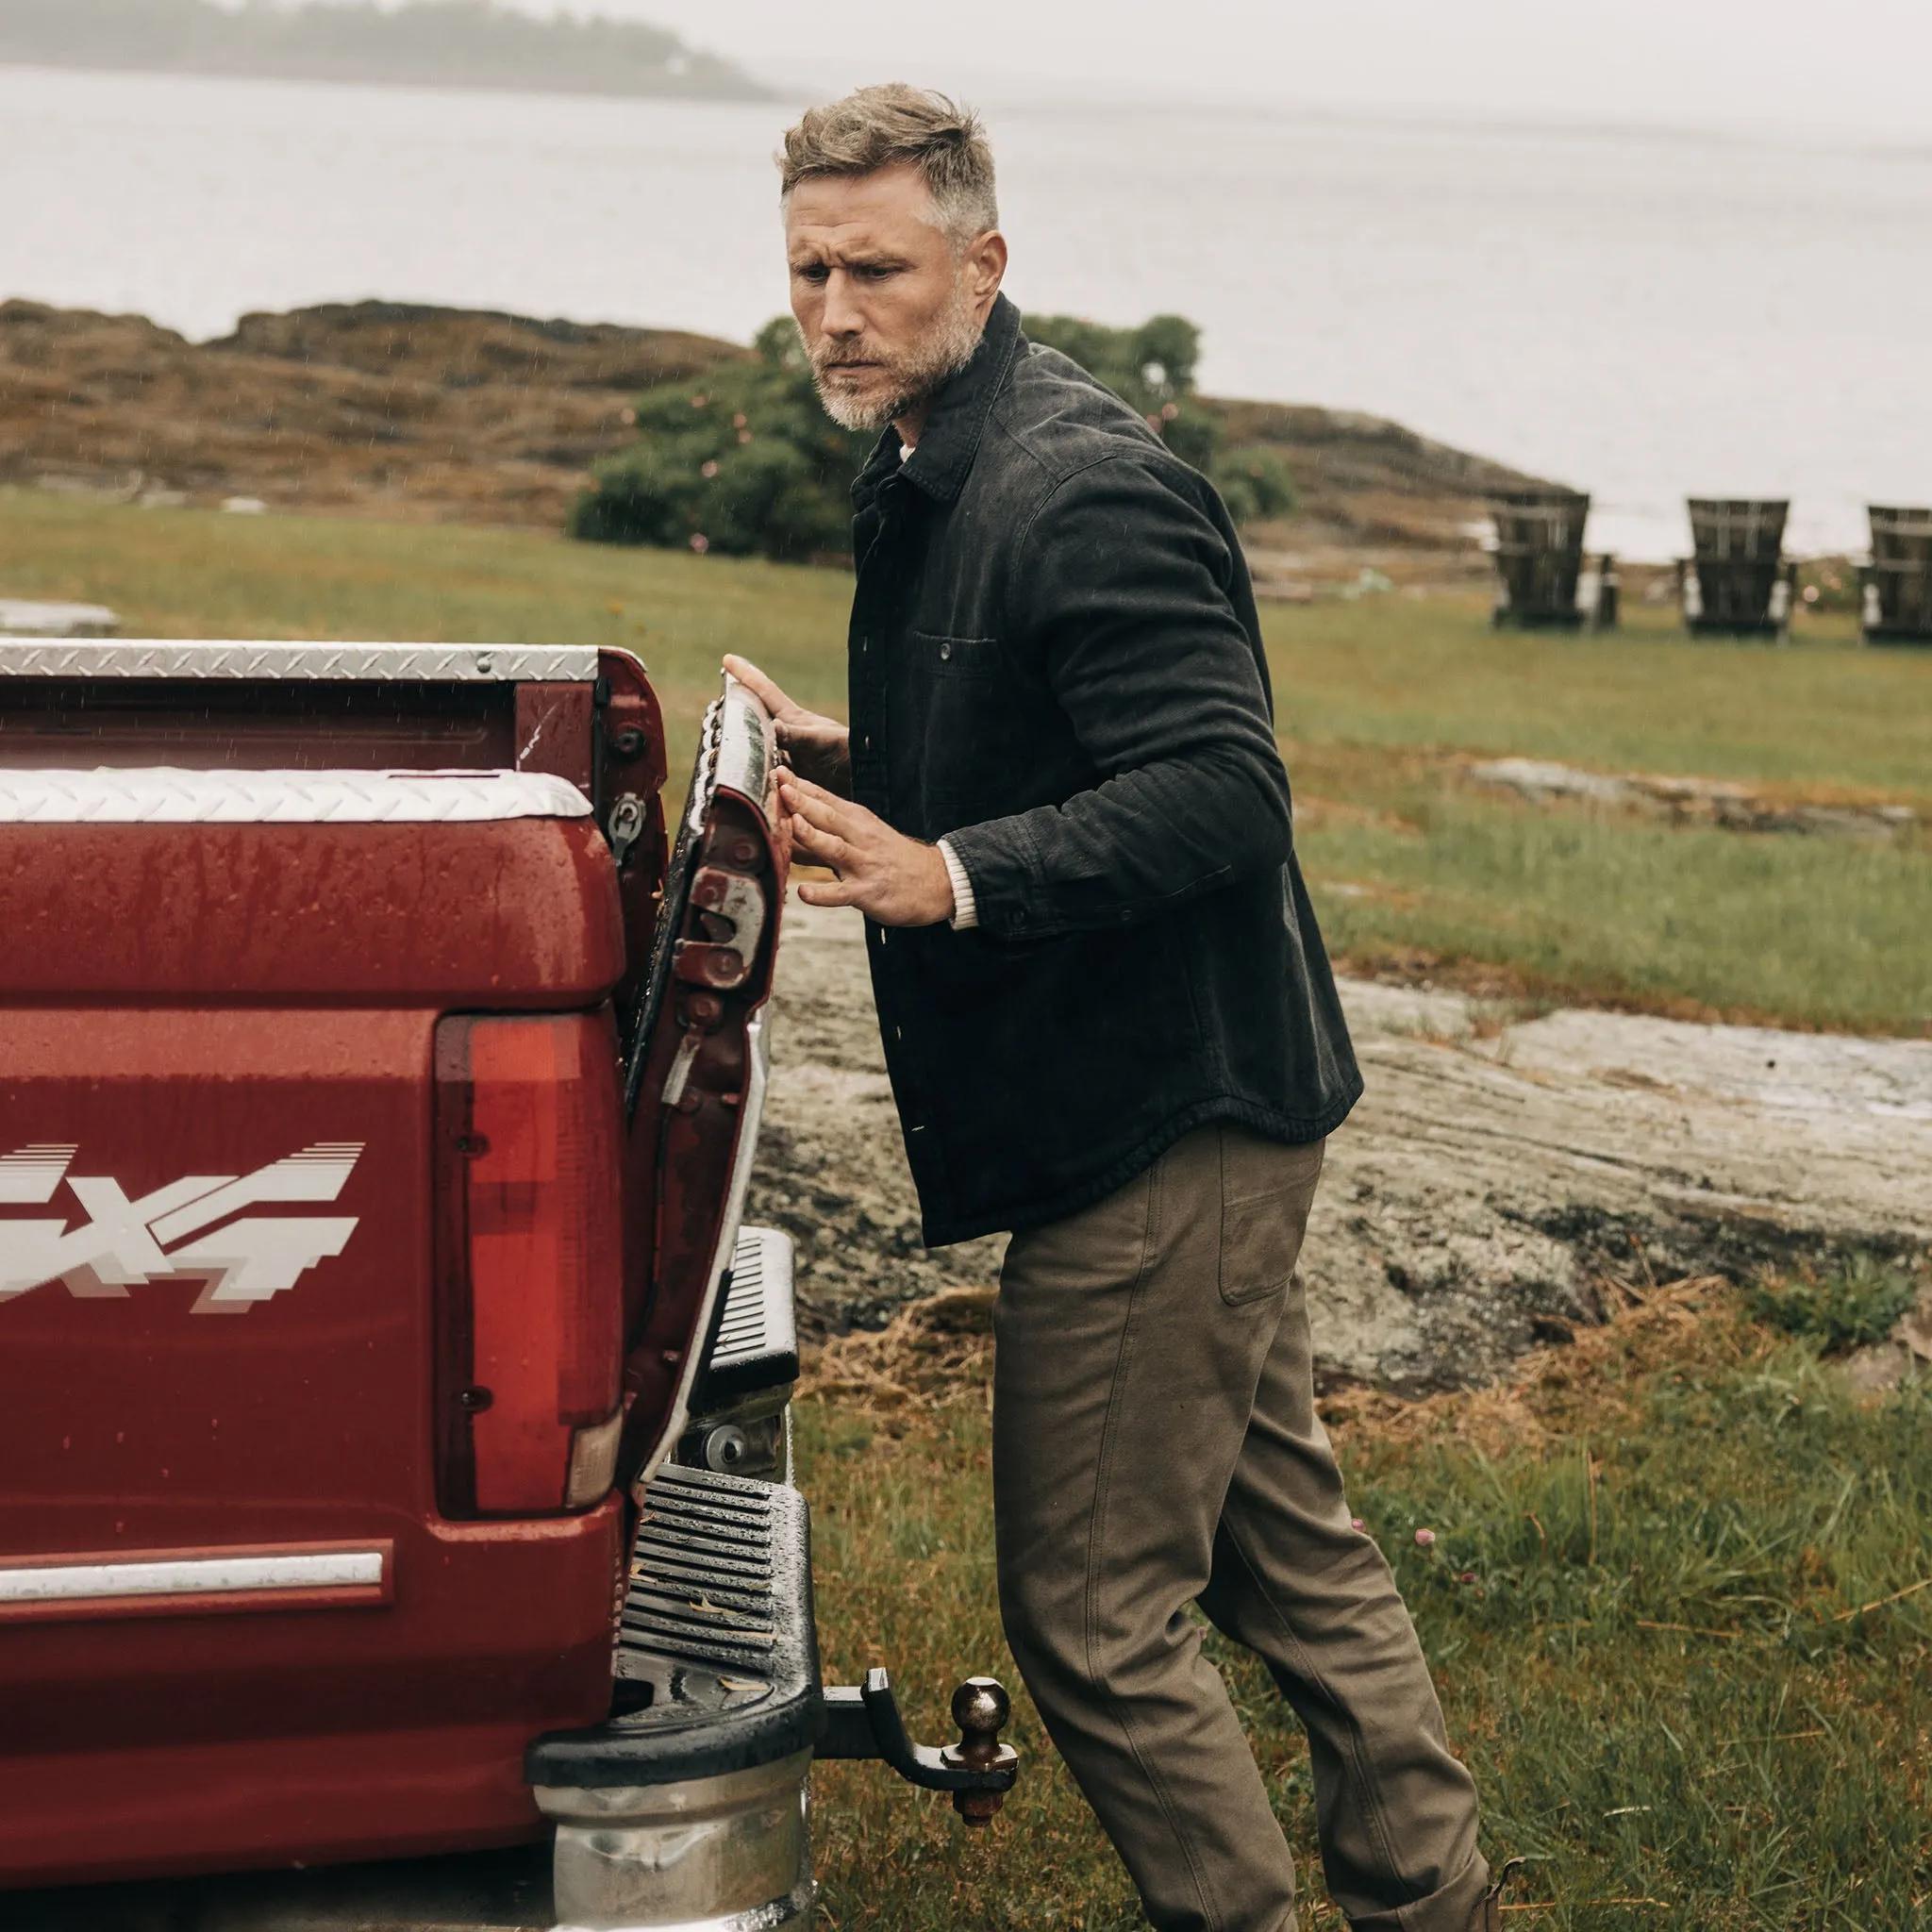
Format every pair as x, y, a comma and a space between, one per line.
531, 1277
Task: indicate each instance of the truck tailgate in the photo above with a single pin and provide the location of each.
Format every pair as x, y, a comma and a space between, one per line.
222, 1569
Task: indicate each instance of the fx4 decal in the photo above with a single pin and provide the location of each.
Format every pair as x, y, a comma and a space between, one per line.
180, 1232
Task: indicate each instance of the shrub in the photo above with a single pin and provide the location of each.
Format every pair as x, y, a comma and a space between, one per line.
1254, 483
1150, 368
1851, 1307
745, 461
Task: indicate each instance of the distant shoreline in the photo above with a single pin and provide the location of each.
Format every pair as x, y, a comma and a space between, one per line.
519, 84
523, 84
470, 45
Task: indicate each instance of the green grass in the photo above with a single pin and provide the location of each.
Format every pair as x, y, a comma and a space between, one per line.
1850, 1306
1576, 904
1632, 1609
1817, 932
1408, 862
200, 574
1392, 671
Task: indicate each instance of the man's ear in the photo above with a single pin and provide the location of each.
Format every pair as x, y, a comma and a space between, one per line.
985, 268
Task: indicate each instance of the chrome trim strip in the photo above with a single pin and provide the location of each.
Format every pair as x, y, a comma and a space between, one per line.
67, 1583
160, 795
358, 663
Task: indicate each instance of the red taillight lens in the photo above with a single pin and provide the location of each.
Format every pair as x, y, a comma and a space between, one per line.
531, 1282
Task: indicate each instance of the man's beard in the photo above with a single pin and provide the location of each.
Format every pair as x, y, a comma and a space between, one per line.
910, 380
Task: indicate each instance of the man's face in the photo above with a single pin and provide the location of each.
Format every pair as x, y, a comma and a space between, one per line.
888, 307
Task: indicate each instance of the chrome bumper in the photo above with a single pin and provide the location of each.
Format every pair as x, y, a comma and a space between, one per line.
728, 1854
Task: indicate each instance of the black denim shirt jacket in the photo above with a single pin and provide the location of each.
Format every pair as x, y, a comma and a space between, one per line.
1057, 665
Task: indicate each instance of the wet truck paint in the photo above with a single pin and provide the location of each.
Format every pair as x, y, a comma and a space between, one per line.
200, 1382
237, 1624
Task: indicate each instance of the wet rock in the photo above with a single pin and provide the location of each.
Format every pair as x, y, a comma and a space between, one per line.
1491, 1192
1693, 801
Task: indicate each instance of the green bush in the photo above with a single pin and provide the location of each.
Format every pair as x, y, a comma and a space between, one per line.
745, 461
1254, 483
1152, 369
1851, 1307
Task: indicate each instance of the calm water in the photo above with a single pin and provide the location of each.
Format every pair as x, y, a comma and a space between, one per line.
1642, 316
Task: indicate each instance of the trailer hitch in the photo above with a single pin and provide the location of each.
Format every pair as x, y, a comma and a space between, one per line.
863, 1721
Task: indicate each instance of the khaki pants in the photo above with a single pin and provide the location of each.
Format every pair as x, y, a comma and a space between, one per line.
1155, 1446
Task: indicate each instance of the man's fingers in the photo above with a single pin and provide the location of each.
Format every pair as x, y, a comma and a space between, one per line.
823, 808
827, 891
827, 847
760, 687
819, 807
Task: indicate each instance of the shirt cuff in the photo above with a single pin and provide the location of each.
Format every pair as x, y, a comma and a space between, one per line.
965, 911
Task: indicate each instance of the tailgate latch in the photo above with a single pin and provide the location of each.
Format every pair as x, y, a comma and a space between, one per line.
863, 1721
730, 912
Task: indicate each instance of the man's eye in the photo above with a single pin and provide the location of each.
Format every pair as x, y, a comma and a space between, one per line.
876, 271
814, 273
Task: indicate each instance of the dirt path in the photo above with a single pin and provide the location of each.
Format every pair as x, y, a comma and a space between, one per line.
1492, 1178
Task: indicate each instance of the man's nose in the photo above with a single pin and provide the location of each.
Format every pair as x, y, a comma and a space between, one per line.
843, 315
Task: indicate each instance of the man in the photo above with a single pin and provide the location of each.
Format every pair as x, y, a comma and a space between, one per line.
1112, 1030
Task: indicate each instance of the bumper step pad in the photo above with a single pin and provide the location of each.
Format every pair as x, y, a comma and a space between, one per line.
717, 1668
757, 1345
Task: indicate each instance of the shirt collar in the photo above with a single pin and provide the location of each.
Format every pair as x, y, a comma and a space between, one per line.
950, 437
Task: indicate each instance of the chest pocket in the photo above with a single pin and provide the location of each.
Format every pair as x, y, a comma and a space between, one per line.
969, 741
959, 657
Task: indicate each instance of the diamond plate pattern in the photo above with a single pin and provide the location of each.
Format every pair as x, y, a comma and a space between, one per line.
164, 797
345, 663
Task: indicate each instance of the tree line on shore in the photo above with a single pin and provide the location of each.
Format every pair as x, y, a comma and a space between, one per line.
425, 43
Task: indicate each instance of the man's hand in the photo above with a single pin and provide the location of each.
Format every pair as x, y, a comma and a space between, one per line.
820, 748
890, 878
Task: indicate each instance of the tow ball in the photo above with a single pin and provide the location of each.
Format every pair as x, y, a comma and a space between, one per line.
863, 1721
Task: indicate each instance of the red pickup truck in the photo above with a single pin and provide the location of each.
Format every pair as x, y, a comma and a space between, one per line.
392, 1407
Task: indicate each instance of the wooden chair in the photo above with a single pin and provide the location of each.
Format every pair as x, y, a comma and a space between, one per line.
1538, 557
1738, 584
1898, 581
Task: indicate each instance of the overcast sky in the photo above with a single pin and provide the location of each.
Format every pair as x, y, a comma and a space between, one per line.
1844, 67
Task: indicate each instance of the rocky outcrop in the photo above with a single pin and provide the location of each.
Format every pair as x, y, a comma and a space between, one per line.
407, 410
1498, 1184
384, 408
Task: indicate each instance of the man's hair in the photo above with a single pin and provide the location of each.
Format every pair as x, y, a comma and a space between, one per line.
883, 127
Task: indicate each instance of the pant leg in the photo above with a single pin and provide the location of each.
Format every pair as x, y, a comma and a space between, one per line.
1292, 1581
1132, 1339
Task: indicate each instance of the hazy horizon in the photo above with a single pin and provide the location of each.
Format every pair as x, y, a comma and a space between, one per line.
1787, 68
1644, 317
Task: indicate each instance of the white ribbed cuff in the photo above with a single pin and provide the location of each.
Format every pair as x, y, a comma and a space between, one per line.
965, 909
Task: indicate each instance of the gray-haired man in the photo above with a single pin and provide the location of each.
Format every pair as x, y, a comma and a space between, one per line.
1111, 1029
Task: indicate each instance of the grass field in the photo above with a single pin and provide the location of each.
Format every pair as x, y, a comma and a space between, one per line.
1645, 1609
1646, 1602
1380, 702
